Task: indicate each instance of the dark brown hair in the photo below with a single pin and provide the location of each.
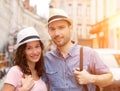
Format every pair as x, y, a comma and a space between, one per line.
20, 60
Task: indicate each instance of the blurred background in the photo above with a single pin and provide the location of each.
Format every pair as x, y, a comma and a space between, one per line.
96, 24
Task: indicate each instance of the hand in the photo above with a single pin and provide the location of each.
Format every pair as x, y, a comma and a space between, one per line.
83, 77
27, 83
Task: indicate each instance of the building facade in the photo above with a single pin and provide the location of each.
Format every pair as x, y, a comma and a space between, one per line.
107, 27
80, 12
94, 21
13, 17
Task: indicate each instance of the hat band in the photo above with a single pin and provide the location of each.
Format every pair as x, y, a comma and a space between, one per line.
29, 37
56, 16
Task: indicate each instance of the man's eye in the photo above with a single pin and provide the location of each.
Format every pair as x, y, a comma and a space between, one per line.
62, 27
38, 46
52, 29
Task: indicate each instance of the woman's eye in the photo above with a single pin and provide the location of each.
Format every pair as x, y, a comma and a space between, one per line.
28, 48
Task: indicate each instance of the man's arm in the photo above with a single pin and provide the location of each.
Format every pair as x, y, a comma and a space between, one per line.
83, 77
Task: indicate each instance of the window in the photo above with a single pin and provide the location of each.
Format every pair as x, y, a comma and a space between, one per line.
79, 10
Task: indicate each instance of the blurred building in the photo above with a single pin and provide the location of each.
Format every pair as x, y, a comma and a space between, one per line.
80, 12
16, 14
95, 21
106, 29
26, 4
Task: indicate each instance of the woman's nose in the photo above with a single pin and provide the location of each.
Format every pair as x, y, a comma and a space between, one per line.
34, 50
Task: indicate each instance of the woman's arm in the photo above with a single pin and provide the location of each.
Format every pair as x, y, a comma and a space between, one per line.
8, 87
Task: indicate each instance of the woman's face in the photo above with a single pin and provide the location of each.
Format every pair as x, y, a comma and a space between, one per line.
33, 51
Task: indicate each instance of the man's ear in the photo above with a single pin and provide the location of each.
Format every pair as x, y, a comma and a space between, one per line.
71, 27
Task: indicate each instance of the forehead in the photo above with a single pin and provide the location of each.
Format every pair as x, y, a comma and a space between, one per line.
58, 22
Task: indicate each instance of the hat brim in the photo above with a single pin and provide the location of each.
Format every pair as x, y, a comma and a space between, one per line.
66, 19
30, 40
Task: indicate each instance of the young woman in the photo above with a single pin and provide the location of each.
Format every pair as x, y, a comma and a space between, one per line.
26, 74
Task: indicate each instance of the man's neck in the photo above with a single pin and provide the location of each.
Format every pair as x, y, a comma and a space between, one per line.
65, 49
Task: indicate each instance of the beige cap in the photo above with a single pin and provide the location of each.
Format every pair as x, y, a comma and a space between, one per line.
58, 14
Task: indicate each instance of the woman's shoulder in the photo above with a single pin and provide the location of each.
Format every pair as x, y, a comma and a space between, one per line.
13, 76
15, 69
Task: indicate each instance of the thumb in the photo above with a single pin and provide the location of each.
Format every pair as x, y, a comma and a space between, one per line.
77, 69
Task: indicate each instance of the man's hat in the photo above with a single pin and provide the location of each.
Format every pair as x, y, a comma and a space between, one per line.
26, 35
58, 14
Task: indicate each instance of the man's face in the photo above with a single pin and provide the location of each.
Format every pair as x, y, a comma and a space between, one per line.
60, 32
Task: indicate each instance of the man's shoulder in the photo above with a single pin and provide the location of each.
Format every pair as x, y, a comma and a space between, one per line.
51, 52
88, 49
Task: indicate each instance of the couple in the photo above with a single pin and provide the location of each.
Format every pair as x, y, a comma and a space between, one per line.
60, 68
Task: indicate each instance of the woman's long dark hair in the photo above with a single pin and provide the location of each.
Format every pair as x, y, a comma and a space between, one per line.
20, 60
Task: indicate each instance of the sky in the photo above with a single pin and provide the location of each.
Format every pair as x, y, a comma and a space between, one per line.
42, 7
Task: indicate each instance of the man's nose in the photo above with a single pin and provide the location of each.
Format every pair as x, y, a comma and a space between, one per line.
57, 32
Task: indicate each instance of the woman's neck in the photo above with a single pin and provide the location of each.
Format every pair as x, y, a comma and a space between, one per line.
31, 66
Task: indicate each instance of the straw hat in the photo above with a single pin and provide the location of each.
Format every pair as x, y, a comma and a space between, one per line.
58, 14
26, 35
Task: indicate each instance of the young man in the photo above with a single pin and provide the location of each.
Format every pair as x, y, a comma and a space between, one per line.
62, 63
